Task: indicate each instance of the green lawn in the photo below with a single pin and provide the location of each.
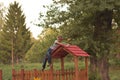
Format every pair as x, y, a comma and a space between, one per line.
115, 73
7, 69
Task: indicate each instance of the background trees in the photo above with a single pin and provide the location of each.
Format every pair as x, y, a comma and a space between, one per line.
89, 24
15, 37
39, 48
2, 11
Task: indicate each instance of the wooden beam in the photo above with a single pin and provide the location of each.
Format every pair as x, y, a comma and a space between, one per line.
76, 68
51, 70
86, 66
62, 68
0, 74
56, 51
22, 74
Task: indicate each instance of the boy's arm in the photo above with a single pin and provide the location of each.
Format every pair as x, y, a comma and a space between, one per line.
59, 43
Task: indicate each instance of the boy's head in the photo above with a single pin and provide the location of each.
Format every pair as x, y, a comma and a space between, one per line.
59, 38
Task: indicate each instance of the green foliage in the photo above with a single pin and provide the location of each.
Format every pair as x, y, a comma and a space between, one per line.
94, 76
15, 37
2, 10
39, 48
87, 23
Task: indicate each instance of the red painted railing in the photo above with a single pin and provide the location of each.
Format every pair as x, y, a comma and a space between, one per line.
0, 74
47, 75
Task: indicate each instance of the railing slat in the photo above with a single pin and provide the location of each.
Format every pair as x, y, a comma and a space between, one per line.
0, 74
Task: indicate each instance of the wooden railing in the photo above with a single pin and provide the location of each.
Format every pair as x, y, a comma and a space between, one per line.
47, 75
83, 74
0, 74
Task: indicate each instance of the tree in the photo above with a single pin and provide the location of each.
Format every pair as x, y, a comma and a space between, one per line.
89, 24
15, 36
2, 10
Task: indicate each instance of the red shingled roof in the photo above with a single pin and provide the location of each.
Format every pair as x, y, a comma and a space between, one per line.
62, 51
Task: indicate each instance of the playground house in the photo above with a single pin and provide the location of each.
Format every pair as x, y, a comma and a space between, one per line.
59, 53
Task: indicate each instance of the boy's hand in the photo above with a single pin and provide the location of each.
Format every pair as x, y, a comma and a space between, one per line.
67, 45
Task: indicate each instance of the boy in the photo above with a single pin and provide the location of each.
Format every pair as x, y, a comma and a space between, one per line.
48, 54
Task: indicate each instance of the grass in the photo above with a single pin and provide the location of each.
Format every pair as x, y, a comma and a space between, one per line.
115, 73
7, 69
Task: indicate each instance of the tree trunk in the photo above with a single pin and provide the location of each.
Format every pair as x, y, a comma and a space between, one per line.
12, 54
99, 68
93, 64
101, 33
93, 68
103, 68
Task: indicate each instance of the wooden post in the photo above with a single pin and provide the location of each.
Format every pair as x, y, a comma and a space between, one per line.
35, 73
62, 68
22, 74
76, 68
86, 66
51, 70
0, 74
13, 74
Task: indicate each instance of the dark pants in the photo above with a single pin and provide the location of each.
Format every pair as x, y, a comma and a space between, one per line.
47, 58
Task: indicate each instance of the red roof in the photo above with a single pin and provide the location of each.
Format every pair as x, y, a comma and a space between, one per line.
62, 51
